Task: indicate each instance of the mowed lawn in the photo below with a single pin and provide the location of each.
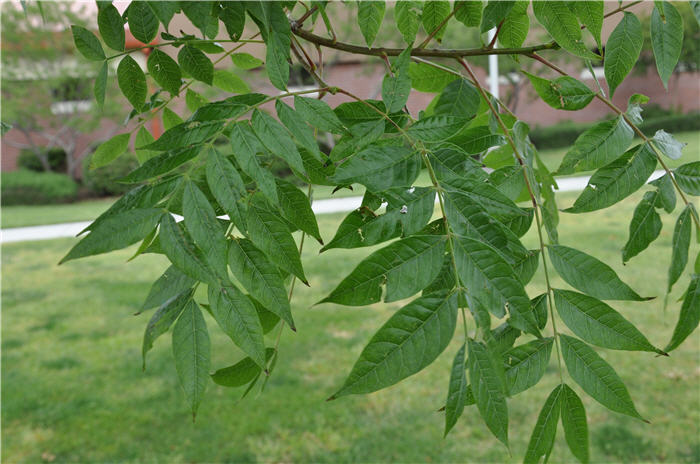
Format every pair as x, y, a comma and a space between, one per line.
73, 389
22, 216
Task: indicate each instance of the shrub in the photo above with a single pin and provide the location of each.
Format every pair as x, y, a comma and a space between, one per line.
26, 187
104, 181
28, 160
564, 134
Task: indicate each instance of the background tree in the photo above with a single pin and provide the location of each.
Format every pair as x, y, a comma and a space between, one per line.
46, 85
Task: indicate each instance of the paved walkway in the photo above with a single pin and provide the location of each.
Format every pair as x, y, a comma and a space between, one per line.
332, 205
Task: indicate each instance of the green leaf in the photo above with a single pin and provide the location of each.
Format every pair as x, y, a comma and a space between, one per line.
198, 12
526, 364
495, 12
116, 232
186, 134
590, 14
165, 71
162, 319
111, 27
183, 253
588, 274
477, 139
491, 280
563, 26
690, 315
598, 146
596, 377
487, 386
369, 18
233, 16
426, 78
434, 13
110, 150
164, 10
469, 219
246, 61
644, 227
666, 193
169, 286
617, 180
407, 266
192, 351
132, 82
278, 45
457, 391
229, 82
688, 177
196, 63
270, 234
407, 14
227, 187
695, 6
395, 89
666, 38
276, 139
87, 44
143, 137
409, 341
238, 318
301, 131
563, 93
460, 99
143, 23
680, 245
668, 145
469, 12
540, 305
573, 419
296, 208
260, 277
205, 229
622, 50
318, 114
515, 26
245, 146
170, 118
241, 373
542, 438
436, 128
161, 164
380, 167
100, 87
194, 101
597, 323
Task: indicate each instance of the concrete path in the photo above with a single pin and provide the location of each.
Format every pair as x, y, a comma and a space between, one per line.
332, 205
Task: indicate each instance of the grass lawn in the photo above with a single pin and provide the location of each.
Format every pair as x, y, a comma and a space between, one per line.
21, 216
73, 389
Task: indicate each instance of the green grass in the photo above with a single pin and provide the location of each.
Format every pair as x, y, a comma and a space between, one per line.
35, 215
73, 389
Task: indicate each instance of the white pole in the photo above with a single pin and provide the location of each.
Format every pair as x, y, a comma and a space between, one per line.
493, 67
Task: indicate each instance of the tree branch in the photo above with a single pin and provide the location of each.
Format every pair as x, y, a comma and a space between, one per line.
430, 52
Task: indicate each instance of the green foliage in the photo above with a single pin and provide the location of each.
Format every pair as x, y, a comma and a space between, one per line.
471, 257
24, 187
106, 180
56, 158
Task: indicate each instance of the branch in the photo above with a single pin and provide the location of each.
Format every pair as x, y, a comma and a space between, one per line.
431, 52
634, 127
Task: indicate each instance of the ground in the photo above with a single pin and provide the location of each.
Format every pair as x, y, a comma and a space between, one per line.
73, 389
20, 216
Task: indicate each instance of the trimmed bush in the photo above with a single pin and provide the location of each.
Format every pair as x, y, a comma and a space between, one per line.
28, 160
26, 187
564, 134
104, 181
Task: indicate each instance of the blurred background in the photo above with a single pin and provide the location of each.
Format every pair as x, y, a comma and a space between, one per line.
72, 385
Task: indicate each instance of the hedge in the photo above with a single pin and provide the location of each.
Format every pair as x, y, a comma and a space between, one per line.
24, 187
564, 134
